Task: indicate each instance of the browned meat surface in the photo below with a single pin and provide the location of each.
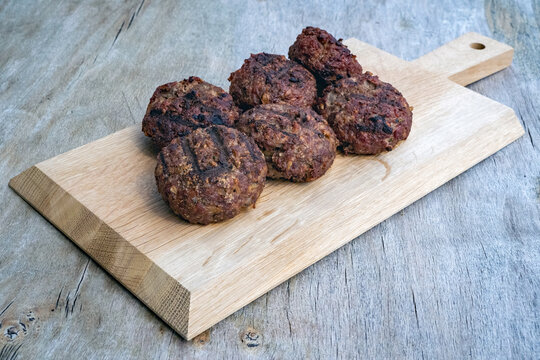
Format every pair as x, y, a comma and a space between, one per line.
267, 79
368, 115
178, 108
211, 174
297, 142
324, 56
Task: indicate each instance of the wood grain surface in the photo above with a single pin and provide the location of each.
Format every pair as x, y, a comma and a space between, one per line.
454, 275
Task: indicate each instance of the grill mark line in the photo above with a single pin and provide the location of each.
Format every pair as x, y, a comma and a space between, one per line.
191, 155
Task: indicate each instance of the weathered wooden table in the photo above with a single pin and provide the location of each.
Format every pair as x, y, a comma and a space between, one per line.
455, 275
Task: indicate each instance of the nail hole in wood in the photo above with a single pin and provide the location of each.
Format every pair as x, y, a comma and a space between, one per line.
477, 46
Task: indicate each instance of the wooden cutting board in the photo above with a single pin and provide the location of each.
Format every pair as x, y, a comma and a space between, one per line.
103, 196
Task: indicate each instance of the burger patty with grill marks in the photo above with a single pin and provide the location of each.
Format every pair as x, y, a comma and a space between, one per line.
211, 174
178, 108
271, 79
324, 56
297, 142
368, 115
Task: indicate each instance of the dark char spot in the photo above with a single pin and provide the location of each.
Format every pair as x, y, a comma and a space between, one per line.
199, 117
163, 162
264, 58
376, 123
387, 129
216, 119
379, 123
191, 95
155, 112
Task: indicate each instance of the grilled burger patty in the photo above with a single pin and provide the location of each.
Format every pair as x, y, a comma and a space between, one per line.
267, 78
178, 108
297, 143
211, 174
324, 56
368, 115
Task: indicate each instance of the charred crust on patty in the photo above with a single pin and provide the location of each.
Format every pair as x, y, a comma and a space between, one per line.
269, 78
297, 143
178, 108
329, 59
211, 174
368, 115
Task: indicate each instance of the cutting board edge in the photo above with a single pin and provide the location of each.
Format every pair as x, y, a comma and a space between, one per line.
156, 289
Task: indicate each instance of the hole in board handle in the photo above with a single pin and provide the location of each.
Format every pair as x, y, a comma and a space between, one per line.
477, 46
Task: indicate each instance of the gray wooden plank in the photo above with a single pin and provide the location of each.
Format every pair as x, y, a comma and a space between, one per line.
455, 275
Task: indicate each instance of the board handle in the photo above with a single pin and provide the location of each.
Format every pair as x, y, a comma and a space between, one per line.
468, 58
